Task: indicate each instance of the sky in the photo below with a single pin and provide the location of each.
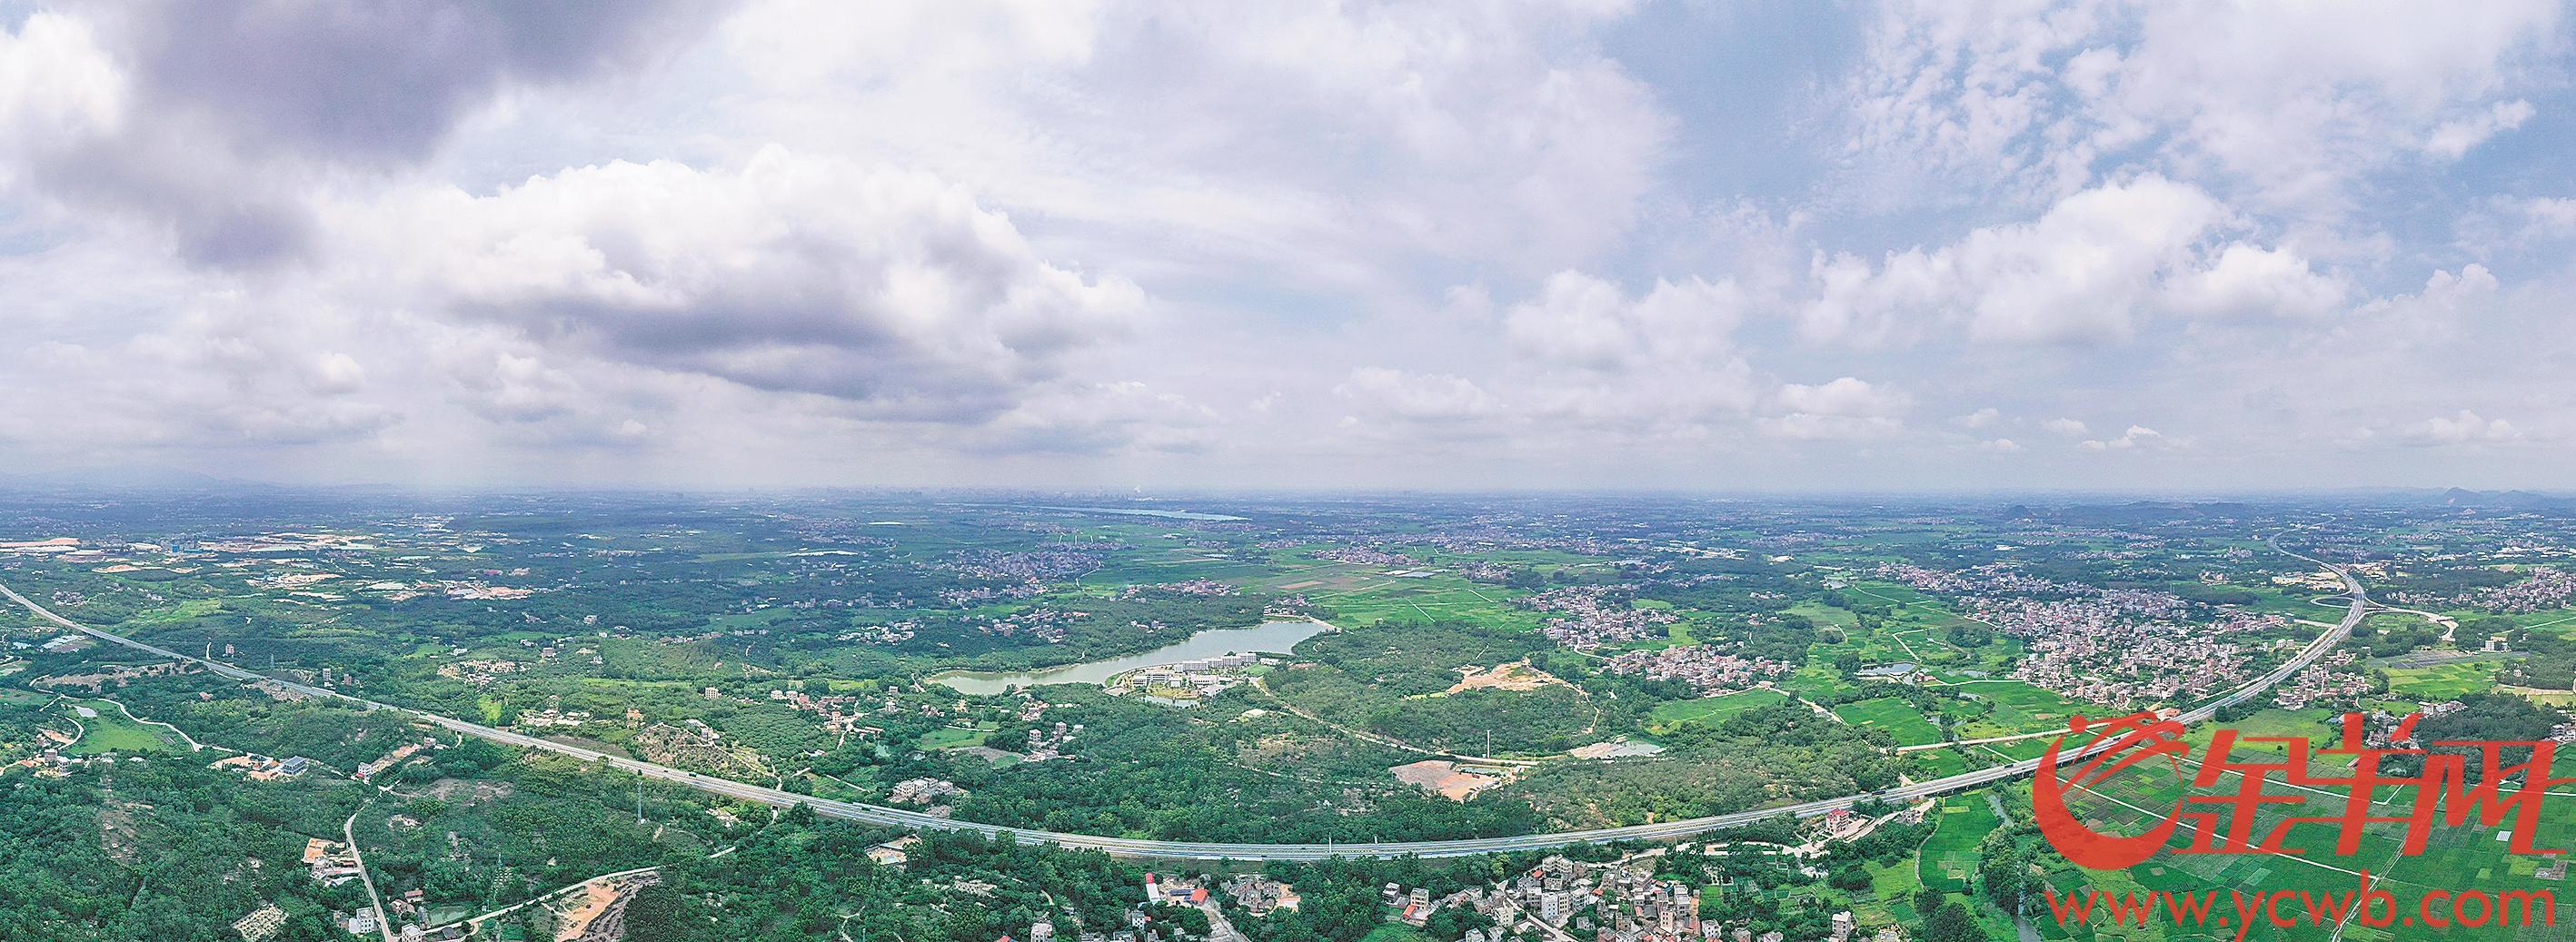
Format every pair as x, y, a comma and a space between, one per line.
1575, 244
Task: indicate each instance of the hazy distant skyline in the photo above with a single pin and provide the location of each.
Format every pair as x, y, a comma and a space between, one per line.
1052, 243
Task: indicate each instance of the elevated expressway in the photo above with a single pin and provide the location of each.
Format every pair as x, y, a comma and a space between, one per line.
1194, 850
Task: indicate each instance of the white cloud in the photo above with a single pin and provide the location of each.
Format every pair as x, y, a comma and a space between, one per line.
1585, 350
2452, 139
2137, 436
210, 124
1846, 408
1587, 323
1813, 427
1433, 398
2248, 281
1336, 135
2554, 213
891, 290
1848, 396
2091, 268
1104, 417
2446, 300
2465, 427
56, 85
1057, 232
2275, 105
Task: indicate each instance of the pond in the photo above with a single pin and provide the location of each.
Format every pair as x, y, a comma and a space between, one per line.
1275, 637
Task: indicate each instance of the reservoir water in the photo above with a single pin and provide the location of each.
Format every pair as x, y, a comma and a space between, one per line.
1274, 637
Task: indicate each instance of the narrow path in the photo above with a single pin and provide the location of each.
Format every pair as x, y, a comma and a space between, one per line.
349, 831
193, 744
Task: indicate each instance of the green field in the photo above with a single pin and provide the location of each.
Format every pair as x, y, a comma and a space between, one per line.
1949, 857
1939, 763
1673, 713
2442, 681
1897, 717
947, 736
2017, 708
1395, 932
110, 731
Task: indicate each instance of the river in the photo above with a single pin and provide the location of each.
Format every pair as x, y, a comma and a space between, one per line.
1275, 637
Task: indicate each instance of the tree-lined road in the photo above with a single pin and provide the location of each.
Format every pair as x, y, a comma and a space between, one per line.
1194, 850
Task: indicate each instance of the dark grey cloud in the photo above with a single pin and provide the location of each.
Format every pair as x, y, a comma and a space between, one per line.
232, 110
376, 80
894, 293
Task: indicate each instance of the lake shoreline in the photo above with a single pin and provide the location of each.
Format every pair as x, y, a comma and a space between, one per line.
1277, 634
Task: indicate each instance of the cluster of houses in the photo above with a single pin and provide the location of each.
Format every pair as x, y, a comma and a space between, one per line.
1045, 743
1707, 669
553, 716
52, 763
1363, 556
2119, 647
2541, 589
478, 672
1591, 616
332, 862
1185, 683
922, 791
1184, 587
1260, 894
370, 770
841, 714
2331, 680
261, 768
1567, 900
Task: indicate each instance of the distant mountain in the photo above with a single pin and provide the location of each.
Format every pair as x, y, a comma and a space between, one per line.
2505, 500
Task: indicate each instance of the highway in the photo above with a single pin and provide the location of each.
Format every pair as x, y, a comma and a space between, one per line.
1191, 850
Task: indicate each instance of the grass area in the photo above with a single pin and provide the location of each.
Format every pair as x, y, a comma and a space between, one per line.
1949, 857
2017, 708
947, 736
1897, 717
1818, 681
1395, 932
2441, 682
192, 608
1824, 614
1938, 763
110, 731
1673, 713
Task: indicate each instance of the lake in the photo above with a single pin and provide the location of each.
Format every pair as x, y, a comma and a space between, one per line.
1270, 637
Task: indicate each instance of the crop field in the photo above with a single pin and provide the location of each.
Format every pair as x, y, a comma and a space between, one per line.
1897, 717
1949, 857
1673, 713
1938, 763
2441, 682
